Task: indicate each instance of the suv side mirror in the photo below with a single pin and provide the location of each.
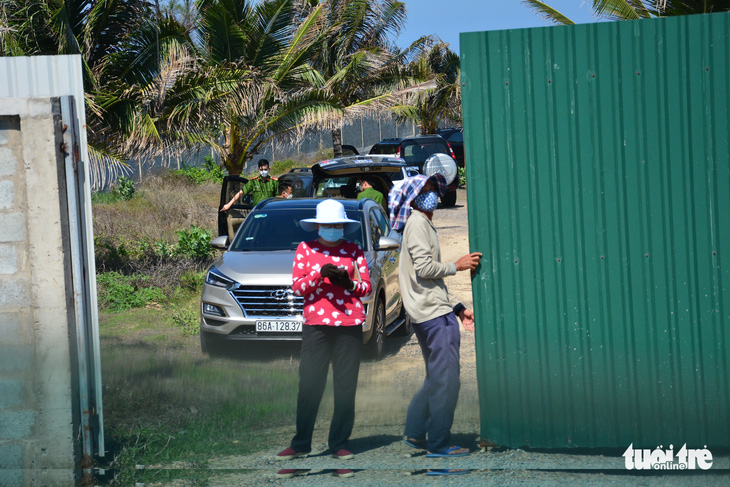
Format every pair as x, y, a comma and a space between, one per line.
387, 243
220, 242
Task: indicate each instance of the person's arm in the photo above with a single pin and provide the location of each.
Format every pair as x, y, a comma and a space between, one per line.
465, 315
306, 278
468, 262
424, 264
363, 287
228, 205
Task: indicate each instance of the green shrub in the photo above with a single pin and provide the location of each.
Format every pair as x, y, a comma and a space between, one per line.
104, 197
283, 166
462, 176
194, 243
162, 249
208, 171
187, 320
118, 292
125, 188
109, 256
193, 281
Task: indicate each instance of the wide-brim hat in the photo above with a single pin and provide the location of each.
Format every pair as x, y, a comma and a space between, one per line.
329, 211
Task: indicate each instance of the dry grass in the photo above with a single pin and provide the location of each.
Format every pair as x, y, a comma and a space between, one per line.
162, 205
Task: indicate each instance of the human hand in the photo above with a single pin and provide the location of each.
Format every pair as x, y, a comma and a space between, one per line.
342, 280
329, 270
467, 319
225, 207
469, 261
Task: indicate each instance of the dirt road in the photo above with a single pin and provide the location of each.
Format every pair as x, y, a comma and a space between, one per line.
384, 391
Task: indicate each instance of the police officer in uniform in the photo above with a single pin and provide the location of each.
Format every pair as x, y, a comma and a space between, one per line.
260, 187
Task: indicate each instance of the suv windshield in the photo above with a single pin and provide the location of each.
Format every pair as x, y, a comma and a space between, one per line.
265, 231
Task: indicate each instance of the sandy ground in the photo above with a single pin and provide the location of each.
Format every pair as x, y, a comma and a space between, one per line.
384, 391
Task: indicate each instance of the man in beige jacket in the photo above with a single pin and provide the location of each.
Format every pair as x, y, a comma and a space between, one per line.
433, 314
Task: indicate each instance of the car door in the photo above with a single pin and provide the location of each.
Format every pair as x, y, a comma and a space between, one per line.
229, 221
388, 260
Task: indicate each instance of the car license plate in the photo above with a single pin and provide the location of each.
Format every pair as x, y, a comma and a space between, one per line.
278, 326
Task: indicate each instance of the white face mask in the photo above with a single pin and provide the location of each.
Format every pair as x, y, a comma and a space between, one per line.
289, 196
264, 173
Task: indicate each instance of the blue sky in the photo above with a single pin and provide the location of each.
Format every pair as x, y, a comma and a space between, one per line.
447, 18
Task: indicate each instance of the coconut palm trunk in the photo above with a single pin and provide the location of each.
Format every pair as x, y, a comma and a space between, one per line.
337, 142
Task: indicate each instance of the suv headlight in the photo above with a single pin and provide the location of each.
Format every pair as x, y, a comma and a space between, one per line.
215, 278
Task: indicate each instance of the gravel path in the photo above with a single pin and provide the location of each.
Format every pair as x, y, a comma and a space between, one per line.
384, 390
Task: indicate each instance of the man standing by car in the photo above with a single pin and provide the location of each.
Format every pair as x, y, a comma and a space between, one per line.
433, 315
261, 187
368, 191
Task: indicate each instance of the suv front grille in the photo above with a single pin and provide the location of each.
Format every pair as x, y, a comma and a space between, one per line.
268, 301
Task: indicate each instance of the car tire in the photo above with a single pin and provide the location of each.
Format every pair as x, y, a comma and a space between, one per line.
449, 199
377, 339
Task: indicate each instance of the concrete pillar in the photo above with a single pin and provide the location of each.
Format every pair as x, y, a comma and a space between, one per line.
38, 429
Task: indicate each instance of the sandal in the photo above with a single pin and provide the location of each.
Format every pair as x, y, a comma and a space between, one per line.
414, 443
454, 451
447, 471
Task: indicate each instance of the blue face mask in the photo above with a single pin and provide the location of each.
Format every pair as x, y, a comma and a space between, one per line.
331, 234
426, 201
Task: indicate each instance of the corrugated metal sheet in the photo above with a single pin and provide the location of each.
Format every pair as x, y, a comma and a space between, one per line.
61, 76
599, 191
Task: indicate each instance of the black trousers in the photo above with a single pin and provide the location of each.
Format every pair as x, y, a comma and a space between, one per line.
321, 344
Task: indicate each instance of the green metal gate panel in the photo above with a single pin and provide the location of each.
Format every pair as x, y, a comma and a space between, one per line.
599, 192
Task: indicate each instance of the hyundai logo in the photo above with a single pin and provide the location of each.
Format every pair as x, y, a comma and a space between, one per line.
281, 294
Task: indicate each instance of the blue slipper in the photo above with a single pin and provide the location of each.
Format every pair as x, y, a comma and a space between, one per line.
447, 453
418, 445
447, 471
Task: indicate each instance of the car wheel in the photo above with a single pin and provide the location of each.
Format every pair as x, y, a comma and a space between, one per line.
449, 199
377, 339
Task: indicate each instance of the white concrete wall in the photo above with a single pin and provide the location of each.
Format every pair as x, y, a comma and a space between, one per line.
38, 443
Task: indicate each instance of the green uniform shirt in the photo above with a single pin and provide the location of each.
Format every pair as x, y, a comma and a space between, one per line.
372, 193
260, 189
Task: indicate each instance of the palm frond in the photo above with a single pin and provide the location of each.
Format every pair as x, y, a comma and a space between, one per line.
618, 10
547, 12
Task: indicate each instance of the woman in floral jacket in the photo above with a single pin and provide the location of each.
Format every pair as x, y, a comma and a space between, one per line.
332, 275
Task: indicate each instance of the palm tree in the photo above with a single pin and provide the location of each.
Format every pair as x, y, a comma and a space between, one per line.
634, 9
119, 44
440, 99
356, 63
252, 81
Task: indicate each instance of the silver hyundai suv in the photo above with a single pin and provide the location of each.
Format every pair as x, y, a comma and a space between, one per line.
247, 293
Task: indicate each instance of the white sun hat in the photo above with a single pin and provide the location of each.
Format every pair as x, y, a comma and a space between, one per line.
329, 211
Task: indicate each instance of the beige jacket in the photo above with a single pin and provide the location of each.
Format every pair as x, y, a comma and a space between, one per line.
421, 272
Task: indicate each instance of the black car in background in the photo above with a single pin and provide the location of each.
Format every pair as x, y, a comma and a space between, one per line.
386, 147
448, 132
455, 138
415, 150
300, 179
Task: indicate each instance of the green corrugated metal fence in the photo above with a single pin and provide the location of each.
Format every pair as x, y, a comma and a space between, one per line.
599, 192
